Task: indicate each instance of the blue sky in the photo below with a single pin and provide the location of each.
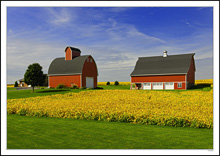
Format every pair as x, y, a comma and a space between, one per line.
114, 36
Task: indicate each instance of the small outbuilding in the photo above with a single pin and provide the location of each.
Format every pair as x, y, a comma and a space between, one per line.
73, 69
21, 83
164, 72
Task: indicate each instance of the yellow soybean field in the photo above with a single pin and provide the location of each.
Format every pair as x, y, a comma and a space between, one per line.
204, 81
186, 108
10, 85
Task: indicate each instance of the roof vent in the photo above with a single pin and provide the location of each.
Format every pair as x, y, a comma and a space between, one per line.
164, 53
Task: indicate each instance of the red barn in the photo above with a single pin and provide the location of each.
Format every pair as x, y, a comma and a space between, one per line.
73, 69
164, 72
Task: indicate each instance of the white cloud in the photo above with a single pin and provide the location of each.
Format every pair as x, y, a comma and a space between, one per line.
62, 16
135, 33
22, 53
119, 9
114, 45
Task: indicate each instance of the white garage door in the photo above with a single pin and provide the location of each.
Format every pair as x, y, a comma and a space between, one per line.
158, 85
169, 85
89, 82
146, 85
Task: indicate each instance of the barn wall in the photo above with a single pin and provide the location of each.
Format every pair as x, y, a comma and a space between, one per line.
183, 86
89, 70
191, 73
161, 78
65, 79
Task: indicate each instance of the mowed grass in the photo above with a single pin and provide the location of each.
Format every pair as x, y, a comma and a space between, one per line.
12, 93
57, 133
115, 87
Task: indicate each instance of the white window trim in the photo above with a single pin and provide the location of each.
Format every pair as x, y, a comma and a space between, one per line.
179, 83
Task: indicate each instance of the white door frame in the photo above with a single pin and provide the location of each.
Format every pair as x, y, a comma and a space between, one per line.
155, 84
169, 86
147, 87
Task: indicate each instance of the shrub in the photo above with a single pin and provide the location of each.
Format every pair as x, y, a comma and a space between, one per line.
82, 88
42, 88
89, 88
60, 86
108, 83
116, 83
16, 84
74, 86
98, 88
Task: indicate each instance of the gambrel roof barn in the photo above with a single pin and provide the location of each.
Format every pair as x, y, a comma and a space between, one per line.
164, 72
73, 69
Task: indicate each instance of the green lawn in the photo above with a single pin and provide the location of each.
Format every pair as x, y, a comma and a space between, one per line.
15, 94
12, 93
57, 133
115, 87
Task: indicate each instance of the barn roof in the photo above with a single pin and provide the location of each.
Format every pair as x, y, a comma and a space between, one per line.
159, 65
73, 49
60, 66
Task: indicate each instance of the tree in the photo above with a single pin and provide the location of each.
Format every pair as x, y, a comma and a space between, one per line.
34, 75
108, 83
45, 80
116, 83
16, 84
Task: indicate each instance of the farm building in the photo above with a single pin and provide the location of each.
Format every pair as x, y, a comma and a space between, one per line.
73, 69
21, 83
164, 72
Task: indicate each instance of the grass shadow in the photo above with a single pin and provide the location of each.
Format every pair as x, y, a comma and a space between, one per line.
201, 86
51, 91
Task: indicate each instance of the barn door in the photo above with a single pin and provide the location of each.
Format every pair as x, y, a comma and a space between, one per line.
147, 86
158, 85
89, 82
169, 85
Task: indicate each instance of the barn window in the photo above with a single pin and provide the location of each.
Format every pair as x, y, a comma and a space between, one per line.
179, 85
91, 60
87, 59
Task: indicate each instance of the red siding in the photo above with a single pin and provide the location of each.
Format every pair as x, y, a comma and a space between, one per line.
161, 78
65, 79
89, 70
191, 72
183, 86
68, 54
71, 54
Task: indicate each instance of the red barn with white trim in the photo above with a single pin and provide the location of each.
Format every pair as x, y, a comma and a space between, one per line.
164, 72
73, 69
